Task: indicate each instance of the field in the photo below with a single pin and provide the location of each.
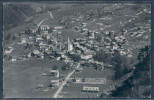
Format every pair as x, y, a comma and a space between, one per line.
22, 83
74, 89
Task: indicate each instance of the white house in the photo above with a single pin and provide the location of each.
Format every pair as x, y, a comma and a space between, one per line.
55, 83
36, 51
13, 60
54, 73
23, 40
86, 57
44, 27
58, 27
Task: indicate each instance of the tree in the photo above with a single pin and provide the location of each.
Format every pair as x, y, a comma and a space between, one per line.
143, 53
7, 37
54, 67
75, 57
66, 67
139, 79
103, 57
121, 65
14, 37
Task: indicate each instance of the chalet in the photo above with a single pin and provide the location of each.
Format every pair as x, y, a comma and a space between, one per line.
85, 57
33, 29
54, 73
58, 27
23, 40
78, 69
8, 51
115, 47
45, 33
122, 52
44, 27
42, 44
29, 55
36, 52
40, 86
13, 59
55, 83
129, 55
38, 39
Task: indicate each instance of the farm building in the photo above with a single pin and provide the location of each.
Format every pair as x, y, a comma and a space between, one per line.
55, 83
90, 89
55, 73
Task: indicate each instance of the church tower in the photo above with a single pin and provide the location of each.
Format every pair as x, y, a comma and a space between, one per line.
70, 46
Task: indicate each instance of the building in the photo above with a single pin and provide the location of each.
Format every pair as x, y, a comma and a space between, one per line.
58, 27
70, 46
8, 51
13, 60
45, 33
86, 57
44, 27
55, 83
54, 73
90, 89
91, 34
94, 80
23, 40
36, 52
78, 69
33, 29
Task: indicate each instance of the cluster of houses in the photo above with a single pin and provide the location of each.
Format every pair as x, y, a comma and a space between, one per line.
46, 44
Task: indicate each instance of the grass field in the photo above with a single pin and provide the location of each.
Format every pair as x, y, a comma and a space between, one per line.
21, 78
74, 89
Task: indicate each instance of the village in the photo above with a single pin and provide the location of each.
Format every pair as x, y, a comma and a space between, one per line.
43, 41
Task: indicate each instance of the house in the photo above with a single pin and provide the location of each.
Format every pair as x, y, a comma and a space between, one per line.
29, 54
39, 39
58, 27
90, 89
54, 73
23, 40
115, 47
45, 32
85, 57
55, 83
36, 52
122, 52
76, 79
33, 29
13, 60
94, 80
78, 69
44, 27
8, 51
40, 86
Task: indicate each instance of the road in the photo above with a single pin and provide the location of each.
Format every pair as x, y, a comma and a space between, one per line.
50, 14
64, 82
38, 25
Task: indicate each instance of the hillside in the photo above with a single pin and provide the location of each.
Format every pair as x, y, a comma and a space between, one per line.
139, 84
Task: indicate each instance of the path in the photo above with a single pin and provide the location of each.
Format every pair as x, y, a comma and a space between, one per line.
50, 14
38, 25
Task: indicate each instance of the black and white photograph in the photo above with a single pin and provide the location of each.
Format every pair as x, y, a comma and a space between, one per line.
76, 50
